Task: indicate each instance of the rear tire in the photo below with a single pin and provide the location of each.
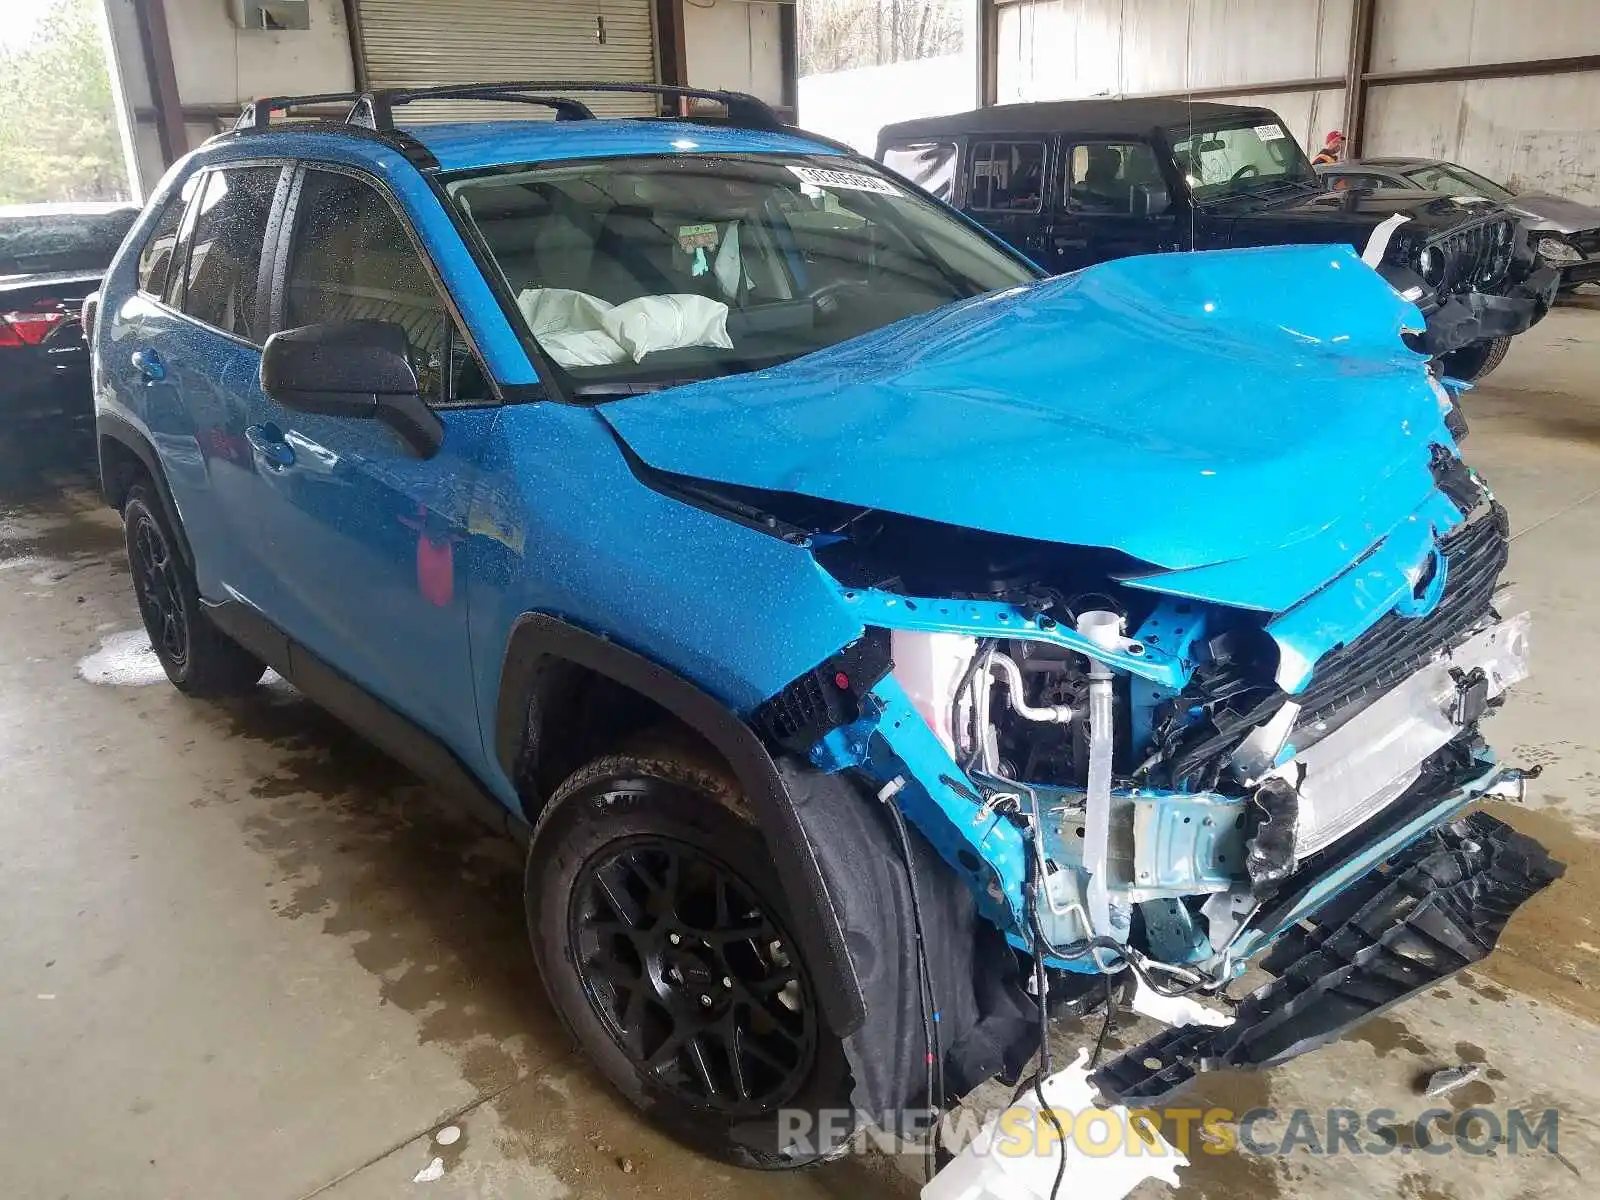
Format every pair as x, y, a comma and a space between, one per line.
660, 930
198, 658
1473, 362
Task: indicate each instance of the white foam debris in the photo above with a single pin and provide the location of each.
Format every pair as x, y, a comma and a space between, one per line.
448, 1136
1016, 1154
124, 660
1175, 1010
431, 1172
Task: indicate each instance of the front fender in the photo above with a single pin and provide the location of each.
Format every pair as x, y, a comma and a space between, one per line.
537, 637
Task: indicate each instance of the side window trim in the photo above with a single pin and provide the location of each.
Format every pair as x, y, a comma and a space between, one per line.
175, 295
178, 269
277, 284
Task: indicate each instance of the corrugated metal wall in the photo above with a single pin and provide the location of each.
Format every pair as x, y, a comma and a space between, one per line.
1538, 131
1068, 49
1533, 132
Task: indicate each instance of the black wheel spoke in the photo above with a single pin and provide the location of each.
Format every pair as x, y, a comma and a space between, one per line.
612, 884
731, 1046
690, 975
696, 1051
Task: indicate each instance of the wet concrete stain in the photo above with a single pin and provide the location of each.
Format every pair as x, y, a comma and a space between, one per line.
1420, 1187
1386, 1036
1540, 953
1213, 1175
429, 903
431, 906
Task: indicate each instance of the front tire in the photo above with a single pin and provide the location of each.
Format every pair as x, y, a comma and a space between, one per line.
661, 933
1471, 363
198, 658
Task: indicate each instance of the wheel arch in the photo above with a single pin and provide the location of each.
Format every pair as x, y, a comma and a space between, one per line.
127, 457
545, 656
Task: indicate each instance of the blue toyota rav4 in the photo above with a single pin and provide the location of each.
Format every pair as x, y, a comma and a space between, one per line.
880, 648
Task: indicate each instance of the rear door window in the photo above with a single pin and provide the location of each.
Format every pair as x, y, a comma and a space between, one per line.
929, 165
222, 286
155, 260
1007, 177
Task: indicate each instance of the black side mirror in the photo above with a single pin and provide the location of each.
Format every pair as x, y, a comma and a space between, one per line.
351, 369
1149, 200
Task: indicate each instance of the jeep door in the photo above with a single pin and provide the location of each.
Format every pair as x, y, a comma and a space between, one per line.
183, 356
1007, 180
367, 538
1114, 202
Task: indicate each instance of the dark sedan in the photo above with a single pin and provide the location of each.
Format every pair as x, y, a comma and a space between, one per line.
52, 256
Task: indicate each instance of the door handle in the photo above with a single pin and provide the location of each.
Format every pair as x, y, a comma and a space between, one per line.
1066, 243
148, 363
266, 442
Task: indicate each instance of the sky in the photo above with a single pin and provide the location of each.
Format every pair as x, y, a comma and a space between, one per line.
18, 19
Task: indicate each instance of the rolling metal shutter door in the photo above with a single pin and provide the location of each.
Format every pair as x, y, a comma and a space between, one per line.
412, 43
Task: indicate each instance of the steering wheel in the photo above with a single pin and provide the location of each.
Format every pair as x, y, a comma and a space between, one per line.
1244, 172
825, 299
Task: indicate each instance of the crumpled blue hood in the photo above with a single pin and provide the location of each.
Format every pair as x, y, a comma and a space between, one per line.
1186, 409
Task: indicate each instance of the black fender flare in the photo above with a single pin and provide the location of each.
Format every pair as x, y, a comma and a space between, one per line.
536, 637
126, 434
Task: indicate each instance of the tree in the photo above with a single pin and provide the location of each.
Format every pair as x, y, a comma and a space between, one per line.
58, 125
836, 35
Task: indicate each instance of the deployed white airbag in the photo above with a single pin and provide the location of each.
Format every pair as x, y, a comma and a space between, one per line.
580, 330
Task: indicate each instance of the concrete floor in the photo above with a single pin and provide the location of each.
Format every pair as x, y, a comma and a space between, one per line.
247, 956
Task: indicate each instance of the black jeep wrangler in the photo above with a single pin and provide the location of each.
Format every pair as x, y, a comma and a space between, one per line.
1072, 183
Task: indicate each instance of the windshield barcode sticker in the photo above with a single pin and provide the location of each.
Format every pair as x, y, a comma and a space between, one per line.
1270, 133
848, 181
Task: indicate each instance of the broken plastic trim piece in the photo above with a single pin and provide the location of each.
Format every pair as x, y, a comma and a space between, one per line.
1440, 908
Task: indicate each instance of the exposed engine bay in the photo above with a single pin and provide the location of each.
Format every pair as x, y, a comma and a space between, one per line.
1136, 786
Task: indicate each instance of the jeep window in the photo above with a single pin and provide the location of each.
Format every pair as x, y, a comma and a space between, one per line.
1007, 177
929, 165
1247, 158
351, 260
1458, 181
1345, 180
156, 258
646, 272
1101, 176
222, 283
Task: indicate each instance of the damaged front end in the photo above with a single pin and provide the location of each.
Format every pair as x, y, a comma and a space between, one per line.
1177, 660
1135, 783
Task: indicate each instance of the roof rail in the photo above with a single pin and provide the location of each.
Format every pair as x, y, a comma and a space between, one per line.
375, 109
257, 113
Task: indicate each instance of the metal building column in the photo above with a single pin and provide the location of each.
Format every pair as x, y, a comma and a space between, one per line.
988, 52
1363, 18
157, 46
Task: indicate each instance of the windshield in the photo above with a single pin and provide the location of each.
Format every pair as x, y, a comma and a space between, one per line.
1457, 181
1240, 159
639, 273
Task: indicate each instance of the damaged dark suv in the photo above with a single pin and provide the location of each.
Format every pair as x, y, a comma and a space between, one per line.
854, 625
1079, 182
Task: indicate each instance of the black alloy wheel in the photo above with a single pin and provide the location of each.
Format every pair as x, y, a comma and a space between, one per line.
660, 929
690, 975
197, 656
156, 586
